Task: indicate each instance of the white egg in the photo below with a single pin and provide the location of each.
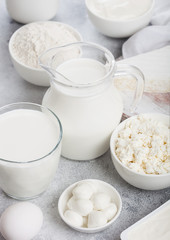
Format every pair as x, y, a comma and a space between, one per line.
110, 211
81, 206
96, 219
101, 200
21, 221
83, 191
73, 218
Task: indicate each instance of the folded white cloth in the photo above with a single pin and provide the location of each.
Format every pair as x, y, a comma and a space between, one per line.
151, 37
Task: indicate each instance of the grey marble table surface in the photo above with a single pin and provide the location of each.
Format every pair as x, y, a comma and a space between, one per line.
136, 202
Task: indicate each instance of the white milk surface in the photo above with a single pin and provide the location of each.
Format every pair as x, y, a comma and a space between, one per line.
87, 120
26, 135
82, 70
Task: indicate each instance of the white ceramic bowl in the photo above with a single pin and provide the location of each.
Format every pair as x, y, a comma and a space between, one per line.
119, 28
33, 75
26, 11
102, 186
143, 181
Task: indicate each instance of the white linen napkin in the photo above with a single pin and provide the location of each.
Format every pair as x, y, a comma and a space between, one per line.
151, 37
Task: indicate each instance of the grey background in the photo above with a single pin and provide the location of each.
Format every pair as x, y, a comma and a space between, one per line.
136, 203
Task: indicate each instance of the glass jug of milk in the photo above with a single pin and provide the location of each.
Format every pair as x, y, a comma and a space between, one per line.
83, 96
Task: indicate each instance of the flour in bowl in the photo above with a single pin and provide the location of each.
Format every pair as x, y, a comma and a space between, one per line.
31, 40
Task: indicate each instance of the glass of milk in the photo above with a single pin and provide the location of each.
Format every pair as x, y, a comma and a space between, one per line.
30, 147
84, 97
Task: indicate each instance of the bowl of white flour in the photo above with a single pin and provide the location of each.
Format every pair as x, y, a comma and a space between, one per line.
30, 41
139, 149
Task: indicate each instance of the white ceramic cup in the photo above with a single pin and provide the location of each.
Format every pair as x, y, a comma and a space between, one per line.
26, 11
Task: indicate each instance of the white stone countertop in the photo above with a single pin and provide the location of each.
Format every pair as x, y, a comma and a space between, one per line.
136, 202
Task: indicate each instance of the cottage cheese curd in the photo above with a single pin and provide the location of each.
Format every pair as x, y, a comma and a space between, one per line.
142, 145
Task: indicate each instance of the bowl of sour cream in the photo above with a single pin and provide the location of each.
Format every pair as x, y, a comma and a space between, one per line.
119, 19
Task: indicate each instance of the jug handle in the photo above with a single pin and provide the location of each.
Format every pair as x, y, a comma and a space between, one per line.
126, 69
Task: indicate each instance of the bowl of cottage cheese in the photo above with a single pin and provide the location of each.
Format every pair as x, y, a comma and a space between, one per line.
140, 150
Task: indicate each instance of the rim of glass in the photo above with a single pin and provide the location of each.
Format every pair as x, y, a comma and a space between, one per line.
51, 112
80, 85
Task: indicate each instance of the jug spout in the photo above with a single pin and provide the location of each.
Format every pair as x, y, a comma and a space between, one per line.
52, 58
80, 65
45, 61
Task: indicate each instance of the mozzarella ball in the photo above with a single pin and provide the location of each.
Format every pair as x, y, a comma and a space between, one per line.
96, 219
110, 211
73, 218
81, 206
101, 200
71, 203
93, 186
21, 221
83, 191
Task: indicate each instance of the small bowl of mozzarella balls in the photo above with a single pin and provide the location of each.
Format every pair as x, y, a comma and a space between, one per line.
89, 205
